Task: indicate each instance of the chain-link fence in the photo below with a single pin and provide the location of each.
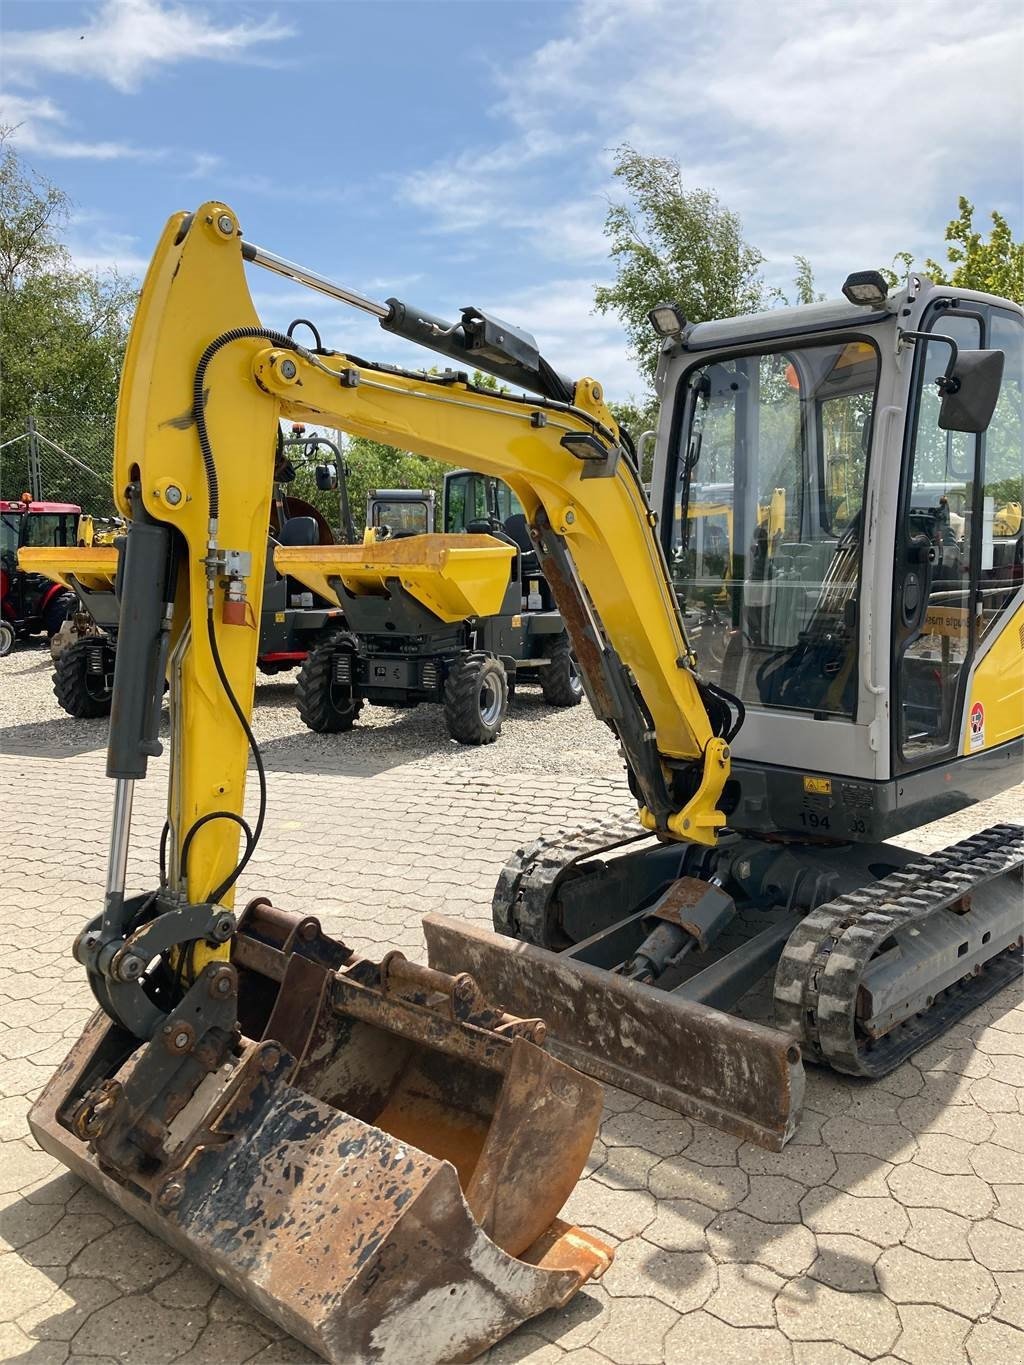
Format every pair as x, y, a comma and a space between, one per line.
61, 457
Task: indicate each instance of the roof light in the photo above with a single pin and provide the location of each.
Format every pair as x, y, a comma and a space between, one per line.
866, 288
26, 497
667, 319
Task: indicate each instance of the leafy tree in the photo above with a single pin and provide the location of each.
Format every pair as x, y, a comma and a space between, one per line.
673, 243
804, 282
995, 266
64, 329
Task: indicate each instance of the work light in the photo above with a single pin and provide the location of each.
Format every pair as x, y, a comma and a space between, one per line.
866, 288
667, 319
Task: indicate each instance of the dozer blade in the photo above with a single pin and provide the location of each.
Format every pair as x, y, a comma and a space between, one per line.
376, 1161
728, 1072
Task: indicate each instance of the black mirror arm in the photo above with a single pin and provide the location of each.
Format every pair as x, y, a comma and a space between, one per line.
946, 382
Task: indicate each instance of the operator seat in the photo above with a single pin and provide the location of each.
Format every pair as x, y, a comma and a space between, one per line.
300, 531
517, 528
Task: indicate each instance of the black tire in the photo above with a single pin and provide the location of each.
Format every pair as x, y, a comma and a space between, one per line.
82, 694
323, 705
58, 609
560, 679
475, 698
6, 638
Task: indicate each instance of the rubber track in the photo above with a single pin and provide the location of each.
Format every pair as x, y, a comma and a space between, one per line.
526, 888
820, 1008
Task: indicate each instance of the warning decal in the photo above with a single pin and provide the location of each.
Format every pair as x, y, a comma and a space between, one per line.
977, 739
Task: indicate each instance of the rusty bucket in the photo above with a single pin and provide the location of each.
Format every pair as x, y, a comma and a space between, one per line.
369, 1153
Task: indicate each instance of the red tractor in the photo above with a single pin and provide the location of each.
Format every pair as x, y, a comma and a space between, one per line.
30, 603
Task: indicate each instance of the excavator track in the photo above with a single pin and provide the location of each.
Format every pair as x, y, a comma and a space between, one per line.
820, 974
523, 902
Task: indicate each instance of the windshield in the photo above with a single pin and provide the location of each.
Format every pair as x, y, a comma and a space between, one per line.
765, 528
403, 518
484, 500
37, 528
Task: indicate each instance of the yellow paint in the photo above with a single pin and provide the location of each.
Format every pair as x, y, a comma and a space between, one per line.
998, 684
453, 576
95, 566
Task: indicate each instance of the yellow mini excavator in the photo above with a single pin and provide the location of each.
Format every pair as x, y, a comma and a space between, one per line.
376, 1153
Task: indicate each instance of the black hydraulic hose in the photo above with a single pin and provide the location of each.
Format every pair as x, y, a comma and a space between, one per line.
305, 322
199, 395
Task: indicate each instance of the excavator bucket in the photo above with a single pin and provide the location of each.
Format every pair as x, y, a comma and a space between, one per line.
374, 1156
736, 1075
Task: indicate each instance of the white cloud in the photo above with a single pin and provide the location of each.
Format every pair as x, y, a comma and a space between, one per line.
123, 41
39, 126
844, 133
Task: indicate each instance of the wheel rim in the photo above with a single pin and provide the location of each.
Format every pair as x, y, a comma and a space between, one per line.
490, 701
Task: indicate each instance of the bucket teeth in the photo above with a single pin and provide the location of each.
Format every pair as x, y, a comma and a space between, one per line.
378, 1165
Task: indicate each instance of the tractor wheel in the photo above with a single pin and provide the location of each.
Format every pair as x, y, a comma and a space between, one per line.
560, 679
475, 699
325, 705
6, 638
83, 693
58, 609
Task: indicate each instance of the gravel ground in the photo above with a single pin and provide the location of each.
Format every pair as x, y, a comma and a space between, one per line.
534, 738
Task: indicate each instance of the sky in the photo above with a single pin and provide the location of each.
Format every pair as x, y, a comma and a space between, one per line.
459, 152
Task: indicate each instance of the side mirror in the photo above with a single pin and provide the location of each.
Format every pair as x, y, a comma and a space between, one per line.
326, 477
969, 391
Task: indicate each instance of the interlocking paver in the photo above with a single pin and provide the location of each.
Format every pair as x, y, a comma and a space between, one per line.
890, 1192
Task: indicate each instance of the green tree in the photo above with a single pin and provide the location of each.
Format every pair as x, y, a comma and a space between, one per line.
995, 266
670, 243
803, 282
64, 329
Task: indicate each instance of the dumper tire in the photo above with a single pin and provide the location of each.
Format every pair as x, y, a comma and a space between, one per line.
323, 705
82, 694
57, 610
560, 679
475, 698
6, 638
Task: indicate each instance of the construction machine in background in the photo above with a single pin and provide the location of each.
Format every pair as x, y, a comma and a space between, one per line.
375, 1153
30, 604
458, 624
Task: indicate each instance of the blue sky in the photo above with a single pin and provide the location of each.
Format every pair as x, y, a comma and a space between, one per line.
458, 152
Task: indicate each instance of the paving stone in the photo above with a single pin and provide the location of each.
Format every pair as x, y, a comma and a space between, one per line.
684, 1280
15, 1345
665, 1137
996, 1165
922, 1115
931, 1336
679, 1225
995, 1097
61, 1244
188, 1287
829, 1353
808, 1310
60, 1316
1008, 1131
995, 1343
223, 1343
711, 1147
944, 1154
626, 1168
718, 1187
996, 1245
907, 1276
287, 1351
787, 1248
745, 1295
861, 1175
882, 1221
1009, 1204
129, 1256
846, 1263
23, 1165
938, 1234
1010, 1304
810, 1165
634, 1332
701, 1337
887, 1142
24, 1286
573, 1327
913, 1186
619, 1213
22, 1222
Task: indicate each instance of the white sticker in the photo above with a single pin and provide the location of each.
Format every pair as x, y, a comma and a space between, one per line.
977, 726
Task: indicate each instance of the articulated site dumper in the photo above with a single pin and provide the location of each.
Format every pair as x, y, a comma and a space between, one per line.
375, 1153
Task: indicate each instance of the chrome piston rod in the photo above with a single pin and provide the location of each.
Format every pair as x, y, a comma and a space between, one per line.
259, 255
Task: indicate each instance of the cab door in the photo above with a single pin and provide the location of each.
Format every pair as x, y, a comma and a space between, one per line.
944, 591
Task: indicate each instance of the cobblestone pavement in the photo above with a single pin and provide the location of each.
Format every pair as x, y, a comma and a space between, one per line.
890, 1229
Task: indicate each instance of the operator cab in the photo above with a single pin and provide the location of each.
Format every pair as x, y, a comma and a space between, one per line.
400, 512
838, 556
481, 504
